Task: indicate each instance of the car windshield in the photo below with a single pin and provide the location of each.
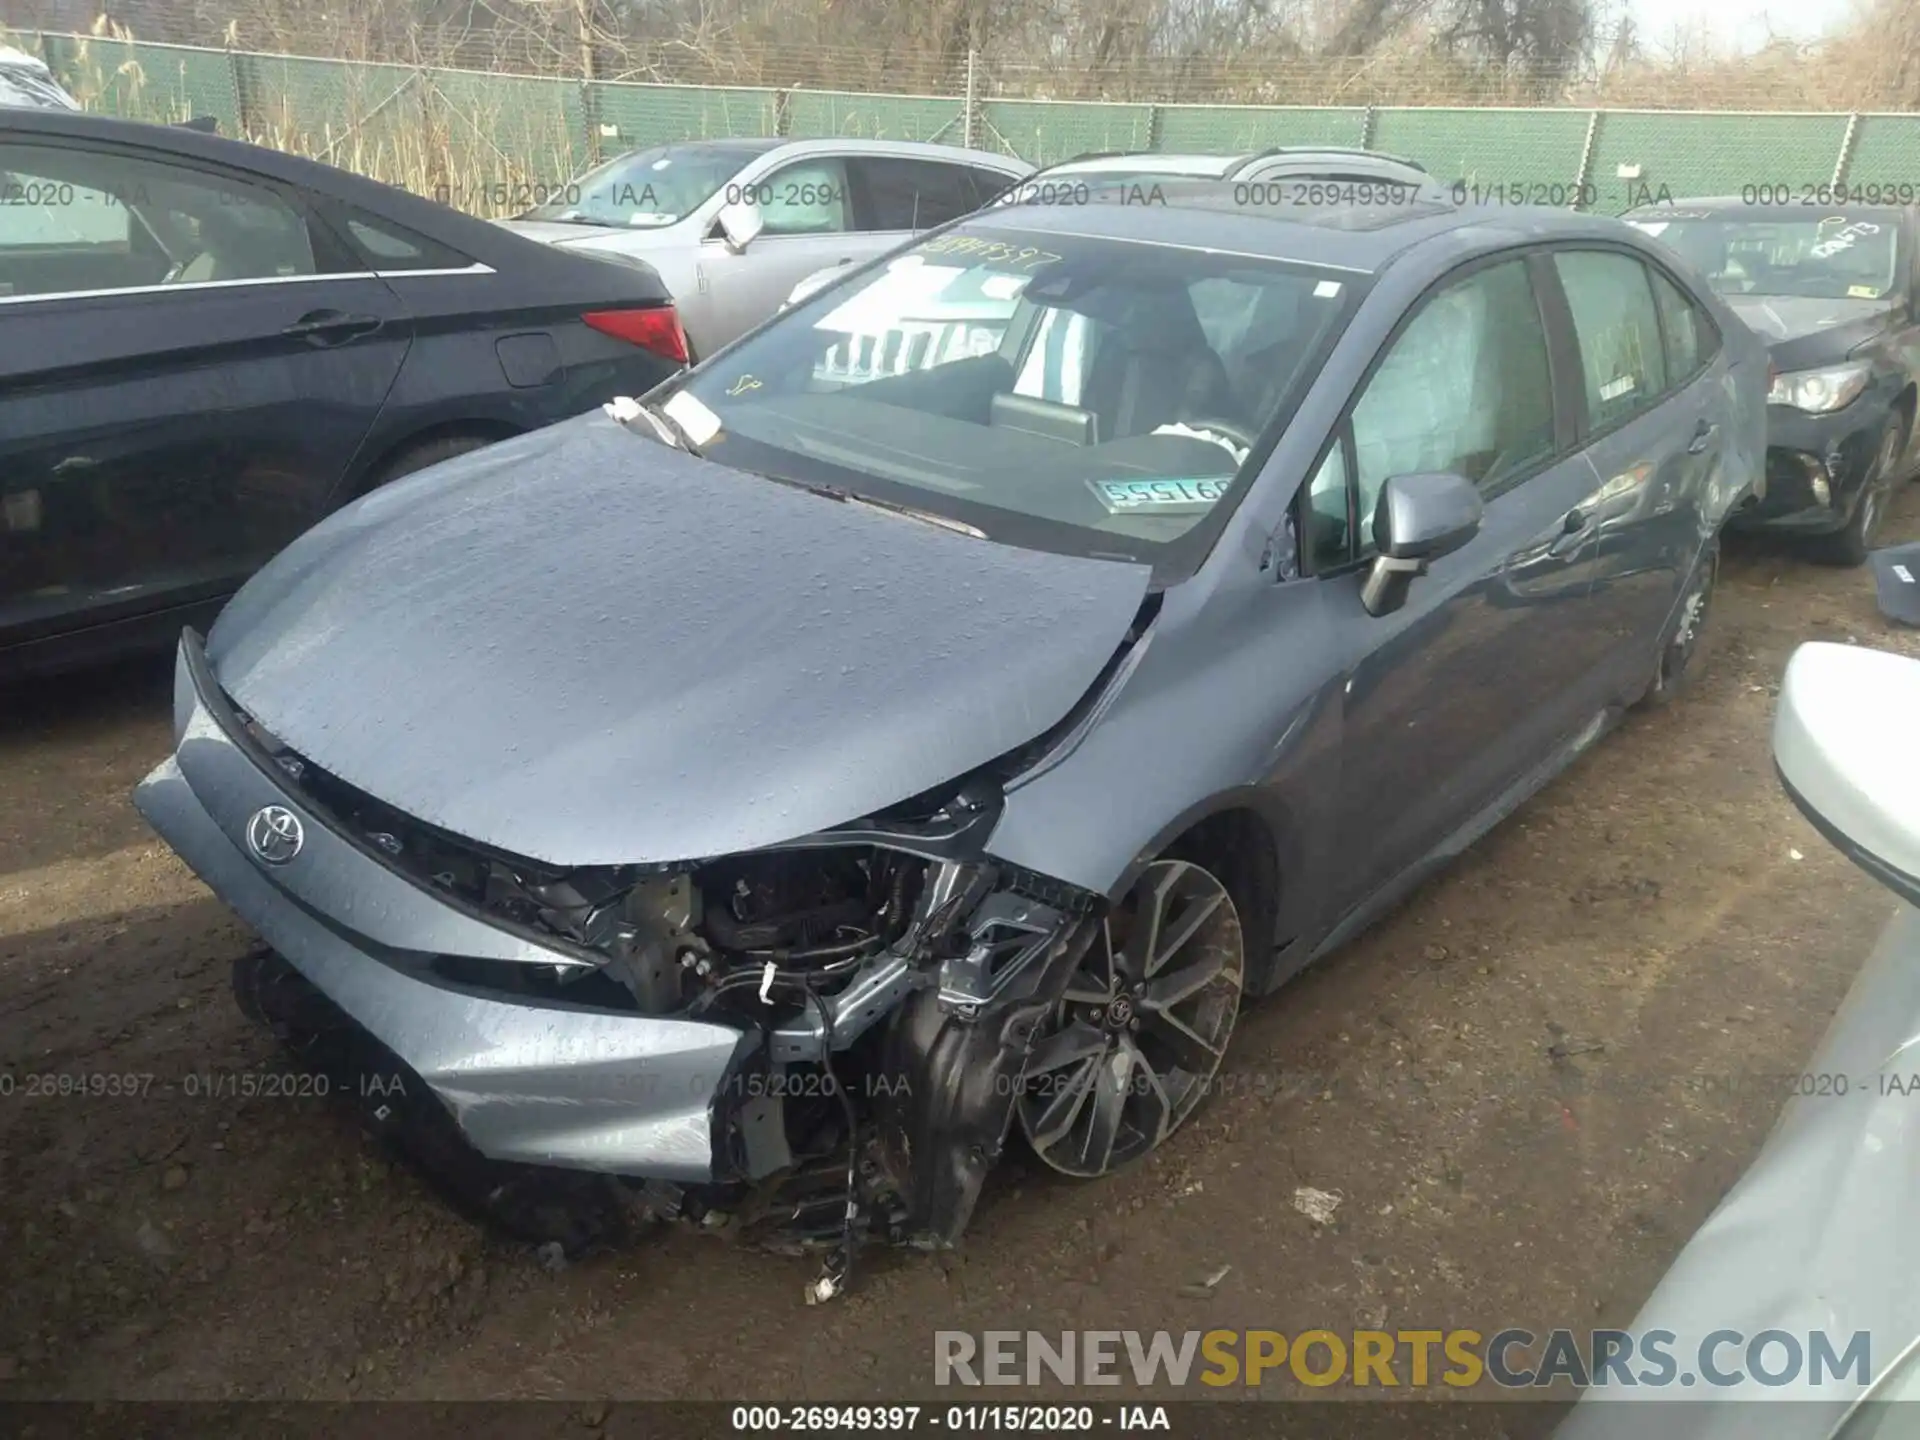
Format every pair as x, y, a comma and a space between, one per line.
1095, 395
647, 188
1832, 257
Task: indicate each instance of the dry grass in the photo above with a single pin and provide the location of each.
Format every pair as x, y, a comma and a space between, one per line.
484, 119
472, 141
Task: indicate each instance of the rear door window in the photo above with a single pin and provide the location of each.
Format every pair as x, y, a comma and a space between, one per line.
1622, 356
912, 194
989, 186
1689, 334
76, 218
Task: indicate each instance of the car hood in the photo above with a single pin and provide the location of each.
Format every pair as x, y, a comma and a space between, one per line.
584, 647
1818, 1235
1801, 332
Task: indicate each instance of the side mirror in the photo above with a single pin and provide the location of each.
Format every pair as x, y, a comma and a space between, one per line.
739, 225
1842, 741
1417, 519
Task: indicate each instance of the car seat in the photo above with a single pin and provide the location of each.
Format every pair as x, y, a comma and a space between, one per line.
1153, 366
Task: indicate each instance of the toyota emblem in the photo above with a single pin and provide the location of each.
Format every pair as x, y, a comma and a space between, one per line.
275, 834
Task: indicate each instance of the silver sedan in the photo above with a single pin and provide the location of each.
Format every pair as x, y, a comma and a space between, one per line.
733, 225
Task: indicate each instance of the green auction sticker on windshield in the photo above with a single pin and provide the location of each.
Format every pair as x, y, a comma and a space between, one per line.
1161, 497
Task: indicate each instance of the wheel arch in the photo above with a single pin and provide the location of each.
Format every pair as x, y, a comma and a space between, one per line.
1904, 405
478, 427
1248, 839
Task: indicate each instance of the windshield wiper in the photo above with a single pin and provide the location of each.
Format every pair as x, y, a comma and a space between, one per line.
892, 507
926, 517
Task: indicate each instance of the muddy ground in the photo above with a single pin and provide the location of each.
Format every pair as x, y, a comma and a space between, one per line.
1494, 1081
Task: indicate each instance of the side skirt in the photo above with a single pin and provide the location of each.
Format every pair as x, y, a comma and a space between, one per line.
1298, 954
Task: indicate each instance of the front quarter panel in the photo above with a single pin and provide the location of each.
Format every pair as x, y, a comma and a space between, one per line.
1743, 470
1228, 707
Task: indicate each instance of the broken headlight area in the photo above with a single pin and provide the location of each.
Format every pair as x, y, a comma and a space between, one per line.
892, 974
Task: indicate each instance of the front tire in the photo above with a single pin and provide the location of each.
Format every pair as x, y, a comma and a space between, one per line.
1134, 1044
1851, 545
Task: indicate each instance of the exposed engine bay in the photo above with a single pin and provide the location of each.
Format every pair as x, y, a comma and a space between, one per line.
888, 979
893, 975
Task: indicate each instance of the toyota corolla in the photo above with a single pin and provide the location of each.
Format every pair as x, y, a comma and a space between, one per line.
763, 802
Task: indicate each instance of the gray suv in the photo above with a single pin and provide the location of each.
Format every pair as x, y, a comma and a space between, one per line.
733, 225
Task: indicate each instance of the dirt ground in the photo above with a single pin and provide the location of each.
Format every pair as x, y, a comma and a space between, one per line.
1503, 1083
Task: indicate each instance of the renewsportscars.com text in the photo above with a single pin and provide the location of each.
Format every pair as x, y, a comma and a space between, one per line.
1513, 1358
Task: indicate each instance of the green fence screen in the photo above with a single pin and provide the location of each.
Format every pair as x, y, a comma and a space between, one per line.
464, 132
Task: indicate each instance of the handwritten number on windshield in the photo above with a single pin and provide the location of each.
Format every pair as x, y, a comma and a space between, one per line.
990, 252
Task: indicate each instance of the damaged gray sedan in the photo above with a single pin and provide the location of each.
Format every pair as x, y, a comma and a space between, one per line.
760, 804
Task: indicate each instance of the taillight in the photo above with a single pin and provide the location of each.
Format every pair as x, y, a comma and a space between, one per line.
655, 328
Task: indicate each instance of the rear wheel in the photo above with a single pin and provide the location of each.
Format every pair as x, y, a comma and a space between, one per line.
430, 452
1685, 645
1142, 1027
1851, 545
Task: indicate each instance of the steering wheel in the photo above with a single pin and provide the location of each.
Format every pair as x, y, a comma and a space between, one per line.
1231, 429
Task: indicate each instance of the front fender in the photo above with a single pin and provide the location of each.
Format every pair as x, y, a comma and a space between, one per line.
1222, 712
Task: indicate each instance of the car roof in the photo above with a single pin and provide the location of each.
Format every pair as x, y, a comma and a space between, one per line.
1145, 162
1359, 238
906, 149
1733, 207
742, 144
1157, 162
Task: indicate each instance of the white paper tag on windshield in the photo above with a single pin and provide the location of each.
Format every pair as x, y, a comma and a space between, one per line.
1326, 290
700, 423
1906, 575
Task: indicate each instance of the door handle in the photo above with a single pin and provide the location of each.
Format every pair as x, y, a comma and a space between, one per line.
331, 327
1703, 434
1573, 530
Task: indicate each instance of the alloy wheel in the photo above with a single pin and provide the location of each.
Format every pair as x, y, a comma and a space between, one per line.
1142, 1027
1879, 485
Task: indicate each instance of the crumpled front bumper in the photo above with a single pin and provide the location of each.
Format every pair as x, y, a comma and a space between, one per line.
1816, 466
532, 1081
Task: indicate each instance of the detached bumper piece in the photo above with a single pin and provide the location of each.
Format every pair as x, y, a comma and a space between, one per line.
836, 1093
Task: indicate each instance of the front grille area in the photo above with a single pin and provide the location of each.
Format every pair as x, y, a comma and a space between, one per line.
567, 909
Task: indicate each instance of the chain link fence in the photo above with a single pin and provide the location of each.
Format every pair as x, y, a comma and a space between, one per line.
489, 138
